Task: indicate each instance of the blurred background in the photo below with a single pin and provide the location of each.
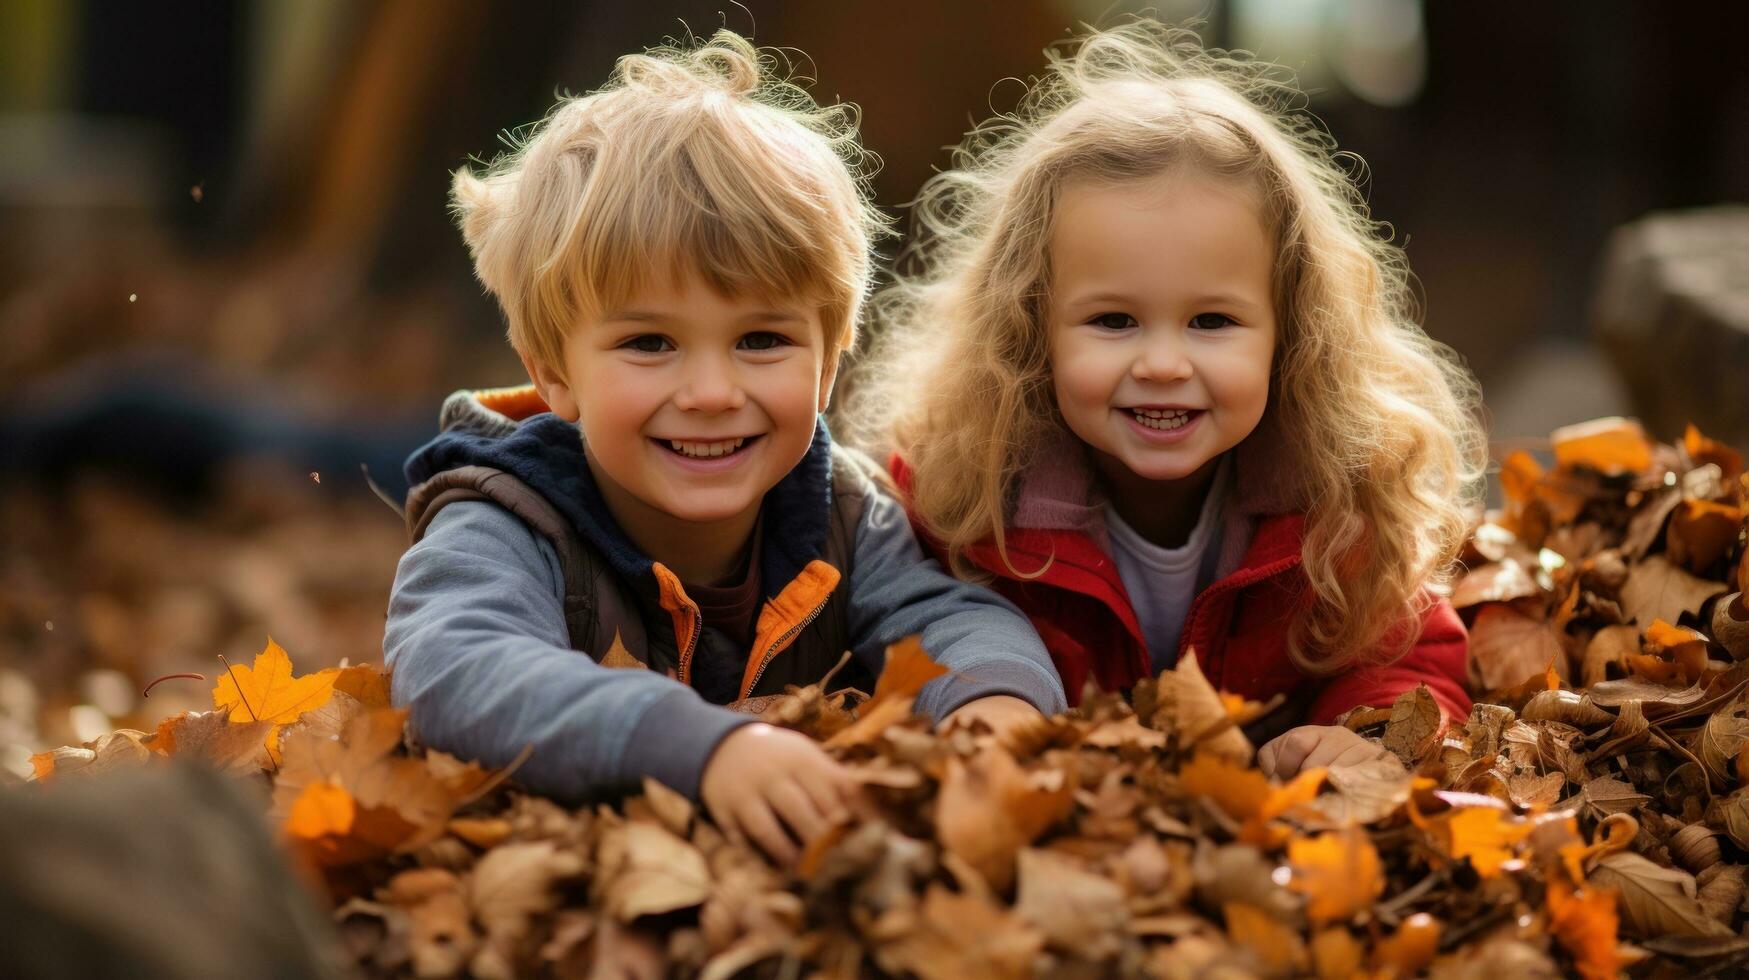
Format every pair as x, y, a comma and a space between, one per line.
229, 287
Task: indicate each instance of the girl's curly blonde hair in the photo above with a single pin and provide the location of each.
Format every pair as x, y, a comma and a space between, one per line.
1376, 423
700, 158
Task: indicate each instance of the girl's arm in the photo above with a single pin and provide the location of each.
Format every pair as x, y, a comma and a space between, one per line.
1438, 659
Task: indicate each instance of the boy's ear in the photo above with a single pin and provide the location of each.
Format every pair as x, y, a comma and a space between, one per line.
828, 375
552, 387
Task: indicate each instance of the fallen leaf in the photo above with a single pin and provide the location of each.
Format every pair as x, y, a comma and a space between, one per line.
642, 869
210, 736
267, 691
989, 808
1611, 446
1584, 923
1509, 647
1078, 912
1655, 901
1278, 948
959, 935
1338, 872
1657, 589
1414, 726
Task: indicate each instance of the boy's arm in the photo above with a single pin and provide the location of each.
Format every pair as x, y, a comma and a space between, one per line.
477, 641
982, 638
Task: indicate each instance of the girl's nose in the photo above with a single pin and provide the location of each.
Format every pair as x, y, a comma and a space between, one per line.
1162, 357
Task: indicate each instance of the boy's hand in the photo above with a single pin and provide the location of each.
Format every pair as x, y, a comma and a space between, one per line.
775, 787
999, 711
1316, 746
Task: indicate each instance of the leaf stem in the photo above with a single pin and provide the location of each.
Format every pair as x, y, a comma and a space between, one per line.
241, 696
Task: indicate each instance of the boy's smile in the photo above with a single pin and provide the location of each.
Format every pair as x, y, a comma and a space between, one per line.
692, 405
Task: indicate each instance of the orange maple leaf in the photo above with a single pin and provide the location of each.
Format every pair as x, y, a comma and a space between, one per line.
267, 691
1339, 873
1585, 922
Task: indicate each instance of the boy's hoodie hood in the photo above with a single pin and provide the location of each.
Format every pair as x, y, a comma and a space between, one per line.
512, 430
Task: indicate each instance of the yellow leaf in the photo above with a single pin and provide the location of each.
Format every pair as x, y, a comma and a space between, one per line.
1278, 948
1238, 790
1585, 923
1339, 873
1486, 836
321, 809
267, 691
907, 669
1611, 446
1408, 951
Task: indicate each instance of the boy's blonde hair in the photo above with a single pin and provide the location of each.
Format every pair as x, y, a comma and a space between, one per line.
693, 158
1382, 444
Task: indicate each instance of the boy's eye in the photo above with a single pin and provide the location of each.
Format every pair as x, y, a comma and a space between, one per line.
1113, 321
763, 340
648, 343
1210, 321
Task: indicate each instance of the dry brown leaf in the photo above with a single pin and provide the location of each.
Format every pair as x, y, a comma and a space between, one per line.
1509, 647
511, 884
642, 869
1414, 727
1658, 589
1277, 947
989, 808
1654, 900
1702, 450
957, 935
1190, 706
1701, 532
229, 746
1078, 912
1611, 645
1499, 581
123, 749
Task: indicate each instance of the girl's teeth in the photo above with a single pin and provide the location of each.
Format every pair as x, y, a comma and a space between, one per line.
1155, 418
706, 450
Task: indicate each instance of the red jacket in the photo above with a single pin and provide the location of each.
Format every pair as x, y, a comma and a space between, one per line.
1238, 625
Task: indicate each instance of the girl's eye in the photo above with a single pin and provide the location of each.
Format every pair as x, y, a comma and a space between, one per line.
648, 343
763, 340
1113, 321
1210, 321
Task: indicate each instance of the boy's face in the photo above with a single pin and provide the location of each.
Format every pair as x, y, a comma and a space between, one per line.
693, 404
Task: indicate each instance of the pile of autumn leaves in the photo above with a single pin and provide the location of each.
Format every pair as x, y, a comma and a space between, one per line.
1588, 817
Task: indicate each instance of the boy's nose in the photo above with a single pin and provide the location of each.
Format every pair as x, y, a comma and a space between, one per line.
710, 387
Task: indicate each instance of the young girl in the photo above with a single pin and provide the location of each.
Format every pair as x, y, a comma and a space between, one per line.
1157, 374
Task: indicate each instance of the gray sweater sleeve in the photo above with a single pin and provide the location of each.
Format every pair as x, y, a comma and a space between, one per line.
477, 642
895, 591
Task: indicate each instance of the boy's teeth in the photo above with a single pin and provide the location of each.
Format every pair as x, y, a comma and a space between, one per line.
705, 450
1157, 418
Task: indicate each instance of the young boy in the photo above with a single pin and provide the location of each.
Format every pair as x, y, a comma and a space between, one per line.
682, 257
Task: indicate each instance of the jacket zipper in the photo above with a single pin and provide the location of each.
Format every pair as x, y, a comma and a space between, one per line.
777, 646
686, 655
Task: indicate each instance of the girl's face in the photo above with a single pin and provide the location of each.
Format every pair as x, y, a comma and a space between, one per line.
1162, 322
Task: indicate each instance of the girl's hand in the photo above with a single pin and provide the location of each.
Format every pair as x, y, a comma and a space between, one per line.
999, 711
1316, 746
777, 788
